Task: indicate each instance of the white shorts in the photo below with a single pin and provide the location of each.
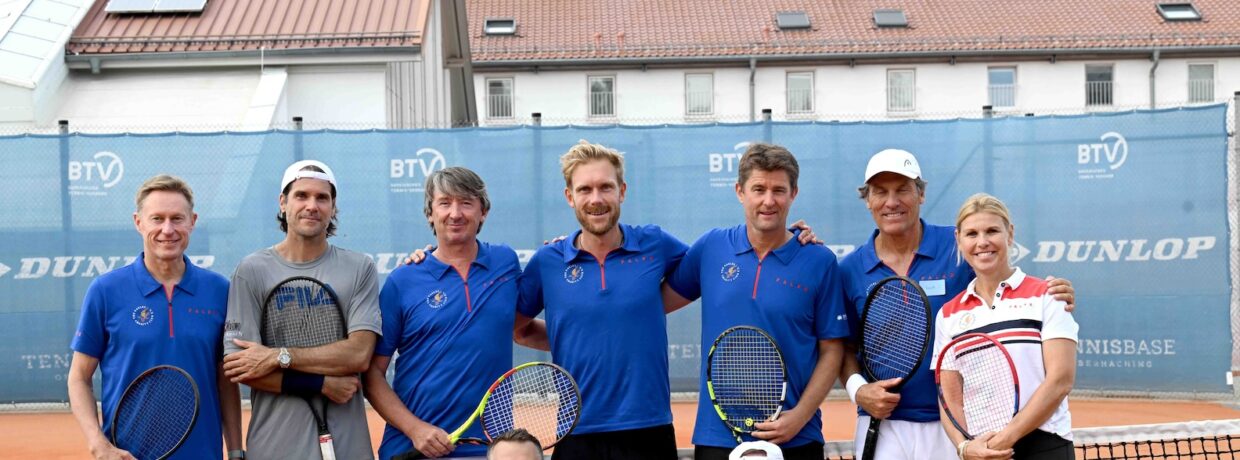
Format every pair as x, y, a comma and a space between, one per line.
903, 440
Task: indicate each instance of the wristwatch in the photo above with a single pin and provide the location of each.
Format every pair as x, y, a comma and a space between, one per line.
236, 454
285, 359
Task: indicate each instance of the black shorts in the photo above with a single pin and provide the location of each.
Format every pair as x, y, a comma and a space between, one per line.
811, 451
1040, 445
654, 443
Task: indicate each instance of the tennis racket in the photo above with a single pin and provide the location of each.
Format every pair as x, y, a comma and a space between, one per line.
978, 385
303, 312
542, 398
895, 335
156, 413
746, 378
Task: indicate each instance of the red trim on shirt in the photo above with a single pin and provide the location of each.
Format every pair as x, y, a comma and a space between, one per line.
168, 293
757, 274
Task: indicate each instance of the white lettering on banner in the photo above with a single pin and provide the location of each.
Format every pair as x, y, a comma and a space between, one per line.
684, 351
1098, 160
83, 266
1122, 353
46, 361
1138, 250
409, 174
723, 165
90, 178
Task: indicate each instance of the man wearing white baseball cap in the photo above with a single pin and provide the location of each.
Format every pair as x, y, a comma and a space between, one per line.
756, 450
904, 244
281, 425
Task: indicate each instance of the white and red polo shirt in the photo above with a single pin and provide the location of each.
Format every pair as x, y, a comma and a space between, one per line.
1021, 316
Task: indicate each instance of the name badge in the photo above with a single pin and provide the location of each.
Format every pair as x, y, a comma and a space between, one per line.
934, 287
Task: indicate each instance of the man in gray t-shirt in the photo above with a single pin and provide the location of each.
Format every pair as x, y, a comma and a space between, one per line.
281, 424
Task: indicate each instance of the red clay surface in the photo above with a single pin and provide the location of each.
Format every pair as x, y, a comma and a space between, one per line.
55, 435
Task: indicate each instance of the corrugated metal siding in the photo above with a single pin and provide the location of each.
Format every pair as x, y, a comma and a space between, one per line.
418, 89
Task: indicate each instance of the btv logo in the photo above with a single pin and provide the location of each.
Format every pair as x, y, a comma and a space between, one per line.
1098, 160
428, 161
106, 170
726, 163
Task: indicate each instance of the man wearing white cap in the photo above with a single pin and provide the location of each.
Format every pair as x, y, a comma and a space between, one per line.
903, 244
756, 450
281, 425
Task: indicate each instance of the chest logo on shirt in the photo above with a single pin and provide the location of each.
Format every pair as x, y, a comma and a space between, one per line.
730, 272
573, 273
143, 315
967, 321
436, 298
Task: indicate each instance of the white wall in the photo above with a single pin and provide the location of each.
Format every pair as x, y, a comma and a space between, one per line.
843, 92
155, 100
341, 97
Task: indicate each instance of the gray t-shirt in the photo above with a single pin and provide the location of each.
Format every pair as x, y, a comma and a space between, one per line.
282, 426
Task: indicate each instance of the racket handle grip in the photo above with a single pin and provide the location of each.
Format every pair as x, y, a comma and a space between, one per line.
871, 439
326, 447
412, 454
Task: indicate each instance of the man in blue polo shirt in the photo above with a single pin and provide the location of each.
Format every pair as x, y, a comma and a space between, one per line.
450, 318
757, 274
903, 244
600, 288
160, 309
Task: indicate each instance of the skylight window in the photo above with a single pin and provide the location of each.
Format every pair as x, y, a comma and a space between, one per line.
890, 18
504, 26
792, 20
1179, 12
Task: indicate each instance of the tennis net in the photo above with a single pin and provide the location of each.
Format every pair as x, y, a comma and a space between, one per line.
1202, 440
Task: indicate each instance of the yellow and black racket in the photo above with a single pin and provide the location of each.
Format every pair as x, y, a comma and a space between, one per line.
746, 378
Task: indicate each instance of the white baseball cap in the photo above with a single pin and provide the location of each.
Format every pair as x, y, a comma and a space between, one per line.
772, 451
295, 171
893, 160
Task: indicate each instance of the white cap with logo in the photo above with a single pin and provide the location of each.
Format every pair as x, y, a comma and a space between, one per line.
753, 448
296, 171
893, 160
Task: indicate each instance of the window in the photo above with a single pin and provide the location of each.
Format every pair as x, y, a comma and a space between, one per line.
1179, 12
800, 92
890, 18
1098, 82
499, 98
1201, 83
699, 94
1002, 86
504, 26
792, 20
602, 96
900, 90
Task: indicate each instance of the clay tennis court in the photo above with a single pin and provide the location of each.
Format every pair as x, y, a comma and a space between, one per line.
55, 435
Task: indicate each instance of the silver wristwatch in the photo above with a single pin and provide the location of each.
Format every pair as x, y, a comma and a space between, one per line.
285, 359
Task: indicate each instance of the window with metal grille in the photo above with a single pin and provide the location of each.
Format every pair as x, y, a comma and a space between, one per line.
602, 96
499, 98
800, 92
1099, 79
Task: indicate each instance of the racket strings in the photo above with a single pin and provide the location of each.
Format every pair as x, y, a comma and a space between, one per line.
155, 413
895, 333
747, 376
989, 388
302, 313
541, 399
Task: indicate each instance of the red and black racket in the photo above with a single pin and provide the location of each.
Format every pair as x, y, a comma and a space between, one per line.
978, 384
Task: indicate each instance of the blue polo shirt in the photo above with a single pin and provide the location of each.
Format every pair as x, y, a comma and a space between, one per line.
454, 337
793, 293
606, 324
941, 273
130, 324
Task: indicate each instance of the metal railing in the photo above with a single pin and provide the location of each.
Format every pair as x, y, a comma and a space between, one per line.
602, 104
1002, 95
1201, 90
900, 98
699, 102
1098, 93
801, 100
499, 105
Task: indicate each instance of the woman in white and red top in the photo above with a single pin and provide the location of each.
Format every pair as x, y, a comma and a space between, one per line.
1040, 336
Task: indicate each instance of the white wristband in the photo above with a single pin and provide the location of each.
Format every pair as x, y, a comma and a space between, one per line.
854, 383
